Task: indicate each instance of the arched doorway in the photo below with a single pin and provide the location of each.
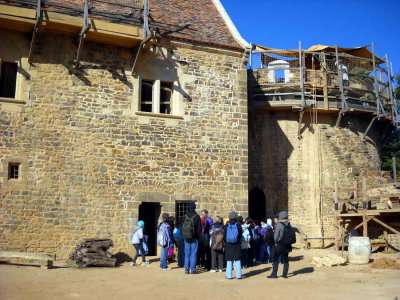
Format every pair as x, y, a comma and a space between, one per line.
257, 205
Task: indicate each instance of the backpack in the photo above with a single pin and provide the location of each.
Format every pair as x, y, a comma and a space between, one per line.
217, 240
246, 235
232, 233
188, 228
254, 235
162, 236
261, 234
269, 237
177, 234
288, 236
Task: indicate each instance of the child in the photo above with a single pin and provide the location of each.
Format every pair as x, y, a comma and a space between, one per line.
137, 242
217, 245
264, 230
165, 235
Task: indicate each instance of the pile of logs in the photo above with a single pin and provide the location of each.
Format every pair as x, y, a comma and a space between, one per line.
94, 252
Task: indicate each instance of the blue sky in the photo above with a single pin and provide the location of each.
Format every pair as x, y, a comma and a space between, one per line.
346, 23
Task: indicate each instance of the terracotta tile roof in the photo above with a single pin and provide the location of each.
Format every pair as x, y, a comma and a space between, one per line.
196, 21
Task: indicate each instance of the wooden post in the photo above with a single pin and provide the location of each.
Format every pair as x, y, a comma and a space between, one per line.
364, 191
365, 223
325, 82
337, 236
386, 237
336, 196
355, 191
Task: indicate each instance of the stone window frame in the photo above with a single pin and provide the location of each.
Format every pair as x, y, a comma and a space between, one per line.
21, 95
157, 67
22, 176
156, 97
177, 110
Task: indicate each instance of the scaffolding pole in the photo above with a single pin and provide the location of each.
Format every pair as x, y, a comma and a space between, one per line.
343, 101
380, 111
146, 13
391, 91
146, 34
83, 33
39, 18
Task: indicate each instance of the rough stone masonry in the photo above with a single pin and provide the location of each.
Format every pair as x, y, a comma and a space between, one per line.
88, 160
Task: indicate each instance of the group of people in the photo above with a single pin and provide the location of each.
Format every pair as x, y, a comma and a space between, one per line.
232, 243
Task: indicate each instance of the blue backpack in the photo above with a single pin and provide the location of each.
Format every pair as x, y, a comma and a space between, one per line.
232, 233
177, 234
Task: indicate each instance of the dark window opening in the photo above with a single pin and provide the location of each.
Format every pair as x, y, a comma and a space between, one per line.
13, 171
146, 98
181, 209
8, 79
165, 97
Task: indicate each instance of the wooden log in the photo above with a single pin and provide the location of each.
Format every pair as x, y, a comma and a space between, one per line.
28, 255
385, 225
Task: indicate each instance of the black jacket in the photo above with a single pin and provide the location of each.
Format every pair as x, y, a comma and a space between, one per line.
233, 250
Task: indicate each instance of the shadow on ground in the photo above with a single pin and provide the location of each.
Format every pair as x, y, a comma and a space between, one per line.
302, 271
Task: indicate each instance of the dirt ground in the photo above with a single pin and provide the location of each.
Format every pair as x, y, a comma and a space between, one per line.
23, 281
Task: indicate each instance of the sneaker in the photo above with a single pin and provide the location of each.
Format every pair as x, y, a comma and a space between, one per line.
133, 264
166, 269
192, 272
145, 263
213, 271
228, 278
220, 270
272, 276
186, 272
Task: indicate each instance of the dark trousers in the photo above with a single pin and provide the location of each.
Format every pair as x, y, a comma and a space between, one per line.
252, 253
244, 258
137, 248
280, 256
204, 256
217, 259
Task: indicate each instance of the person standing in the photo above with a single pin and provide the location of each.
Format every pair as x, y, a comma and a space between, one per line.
165, 241
232, 237
204, 251
191, 231
178, 239
284, 237
137, 242
217, 245
245, 243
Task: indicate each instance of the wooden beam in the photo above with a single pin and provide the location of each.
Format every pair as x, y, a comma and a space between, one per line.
28, 255
362, 223
385, 225
23, 19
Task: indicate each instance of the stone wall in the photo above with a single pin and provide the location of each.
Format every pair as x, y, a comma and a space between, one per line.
88, 161
299, 174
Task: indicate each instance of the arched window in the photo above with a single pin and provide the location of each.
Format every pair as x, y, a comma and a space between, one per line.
279, 71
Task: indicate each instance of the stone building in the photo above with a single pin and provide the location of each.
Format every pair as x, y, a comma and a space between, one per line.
109, 115
104, 120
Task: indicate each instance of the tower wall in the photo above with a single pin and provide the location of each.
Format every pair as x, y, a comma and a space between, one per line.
299, 174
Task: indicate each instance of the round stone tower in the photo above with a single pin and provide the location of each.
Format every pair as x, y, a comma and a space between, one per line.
316, 117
